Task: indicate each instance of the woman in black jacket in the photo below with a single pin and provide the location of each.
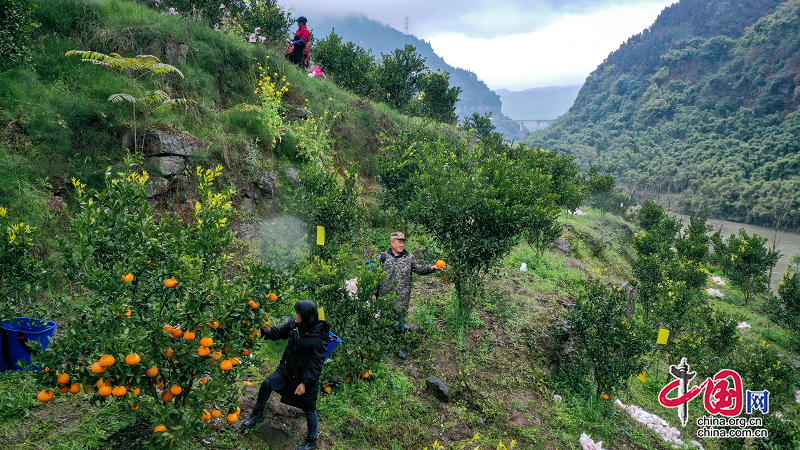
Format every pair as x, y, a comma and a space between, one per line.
297, 375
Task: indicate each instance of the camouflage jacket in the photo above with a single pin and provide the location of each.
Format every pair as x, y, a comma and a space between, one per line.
398, 276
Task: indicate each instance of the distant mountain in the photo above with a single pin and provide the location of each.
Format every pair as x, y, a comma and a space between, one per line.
702, 105
383, 39
538, 103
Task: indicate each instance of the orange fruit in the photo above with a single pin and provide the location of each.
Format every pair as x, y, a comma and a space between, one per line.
97, 368
189, 335
328, 389
253, 304
133, 359
134, 407
245, 352
204, 380
364, 374
127, 278
105, 391
168, 328
206, 342
235, 361
159, 428
170, 282
213, 325
151, 372
440, 264
128, 313
45, 395
605, 396
167, 396
119, 391
206, 416
232, 417
272, 297
107, 361
177, 332
63, 378
203, 351
238, 411
169, 353
100, 383
136, 391
63, 389
217, 356
215, 413
75, 388
225, 365
176, 390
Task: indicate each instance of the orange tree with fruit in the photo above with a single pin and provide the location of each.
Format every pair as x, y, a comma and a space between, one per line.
165, 326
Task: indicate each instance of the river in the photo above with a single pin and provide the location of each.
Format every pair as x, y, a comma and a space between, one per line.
786, 242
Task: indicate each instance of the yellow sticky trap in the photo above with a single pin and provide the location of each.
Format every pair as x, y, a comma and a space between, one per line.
642, 376
321, 312
663, 336
320, 235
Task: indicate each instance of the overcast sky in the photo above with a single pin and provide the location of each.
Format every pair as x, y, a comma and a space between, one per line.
511, 44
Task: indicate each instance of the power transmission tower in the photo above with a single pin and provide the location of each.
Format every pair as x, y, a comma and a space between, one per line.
406, 29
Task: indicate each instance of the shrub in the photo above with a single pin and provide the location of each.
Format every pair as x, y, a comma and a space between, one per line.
19, 269
610, 344
322, 199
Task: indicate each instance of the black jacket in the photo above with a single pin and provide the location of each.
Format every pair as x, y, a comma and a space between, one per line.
302, 360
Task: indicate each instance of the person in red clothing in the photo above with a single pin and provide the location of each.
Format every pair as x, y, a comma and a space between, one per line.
299, 44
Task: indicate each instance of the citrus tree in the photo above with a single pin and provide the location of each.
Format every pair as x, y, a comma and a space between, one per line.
746, 261
163, 328
477, 202
365, 325
610, 344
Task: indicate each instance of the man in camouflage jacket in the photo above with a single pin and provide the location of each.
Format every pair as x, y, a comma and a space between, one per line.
398, 264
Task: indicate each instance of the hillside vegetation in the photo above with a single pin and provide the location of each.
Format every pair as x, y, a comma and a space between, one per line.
703, 104
542, 318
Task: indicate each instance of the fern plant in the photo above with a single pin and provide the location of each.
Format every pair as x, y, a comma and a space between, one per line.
131, 70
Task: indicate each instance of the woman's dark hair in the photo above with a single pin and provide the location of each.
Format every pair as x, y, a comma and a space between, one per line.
307, 309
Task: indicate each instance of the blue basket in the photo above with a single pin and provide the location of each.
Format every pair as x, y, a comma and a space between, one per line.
333, 342
15, 337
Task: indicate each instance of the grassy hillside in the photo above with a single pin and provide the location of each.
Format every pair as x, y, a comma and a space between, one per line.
702, 104
519, 368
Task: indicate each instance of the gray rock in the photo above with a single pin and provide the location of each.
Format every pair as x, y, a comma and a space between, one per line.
157, 186
176, 52
268, 183
168, 165
293, 175
249, 190
460, 432
562, 246
167, 144
438, 387
300, 113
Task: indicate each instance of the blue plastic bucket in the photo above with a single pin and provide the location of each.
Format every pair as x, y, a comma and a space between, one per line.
15, 337
333, 342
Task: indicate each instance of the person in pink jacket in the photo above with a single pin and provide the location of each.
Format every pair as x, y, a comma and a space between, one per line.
299, 44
